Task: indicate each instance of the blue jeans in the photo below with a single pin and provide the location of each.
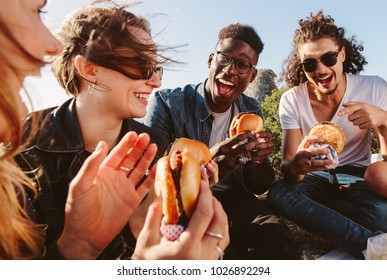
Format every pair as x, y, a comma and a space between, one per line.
346, 217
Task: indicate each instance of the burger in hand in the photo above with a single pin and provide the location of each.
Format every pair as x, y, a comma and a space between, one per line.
177, 180
245, 122
334, 141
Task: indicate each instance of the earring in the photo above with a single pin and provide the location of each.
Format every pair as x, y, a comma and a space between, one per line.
90, 88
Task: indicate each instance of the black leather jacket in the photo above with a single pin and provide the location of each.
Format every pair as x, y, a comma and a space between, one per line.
54, 156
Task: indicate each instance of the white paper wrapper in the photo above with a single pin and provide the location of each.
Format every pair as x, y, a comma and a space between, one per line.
376, 248
332, 154
171, 232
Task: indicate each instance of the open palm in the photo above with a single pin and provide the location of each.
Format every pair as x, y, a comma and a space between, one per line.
102, 197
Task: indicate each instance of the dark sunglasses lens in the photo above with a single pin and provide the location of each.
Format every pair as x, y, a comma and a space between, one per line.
159, 72
329, 59
147, 72
309, 65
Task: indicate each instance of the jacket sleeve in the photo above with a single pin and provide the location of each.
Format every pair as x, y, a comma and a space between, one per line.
159, 116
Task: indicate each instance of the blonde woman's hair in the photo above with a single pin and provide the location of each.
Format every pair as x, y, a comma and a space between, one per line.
20, 237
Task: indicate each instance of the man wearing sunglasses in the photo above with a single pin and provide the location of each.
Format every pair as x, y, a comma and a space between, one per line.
204, 112
336, 204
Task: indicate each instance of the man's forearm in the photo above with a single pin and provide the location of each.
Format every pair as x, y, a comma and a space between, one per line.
289, 173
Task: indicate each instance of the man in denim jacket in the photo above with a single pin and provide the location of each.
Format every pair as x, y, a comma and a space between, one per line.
204, 112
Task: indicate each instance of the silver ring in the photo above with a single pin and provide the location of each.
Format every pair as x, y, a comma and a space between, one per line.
221, 253
147, 172
127, 170
243, 159
214, 234
308, 162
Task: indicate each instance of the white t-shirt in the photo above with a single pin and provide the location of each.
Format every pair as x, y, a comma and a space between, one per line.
220, 126
296, 112
220, 132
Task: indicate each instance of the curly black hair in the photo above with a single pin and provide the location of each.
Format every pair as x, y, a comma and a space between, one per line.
245, 33
314, 28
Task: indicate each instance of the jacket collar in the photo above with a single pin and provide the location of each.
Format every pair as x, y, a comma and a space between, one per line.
60, 131
203, 108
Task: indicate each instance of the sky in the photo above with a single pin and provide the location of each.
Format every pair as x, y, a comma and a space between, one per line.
194, 26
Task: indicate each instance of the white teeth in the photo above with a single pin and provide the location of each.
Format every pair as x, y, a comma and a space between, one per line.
141, 95
228, 83
326, 78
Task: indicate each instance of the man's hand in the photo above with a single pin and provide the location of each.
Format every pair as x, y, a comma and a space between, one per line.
226, 153
364, 115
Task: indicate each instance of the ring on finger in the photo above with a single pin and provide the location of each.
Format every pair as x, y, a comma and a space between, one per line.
127, 170
214, 234
220, 251
243, 159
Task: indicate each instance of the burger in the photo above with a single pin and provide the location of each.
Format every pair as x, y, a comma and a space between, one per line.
332, 133
334, 138
245, 122
178, 176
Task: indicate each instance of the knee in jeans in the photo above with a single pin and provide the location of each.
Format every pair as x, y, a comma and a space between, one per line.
280, 194
377, 218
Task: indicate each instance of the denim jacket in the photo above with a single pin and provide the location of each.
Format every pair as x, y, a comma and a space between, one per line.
52, 159
184, 112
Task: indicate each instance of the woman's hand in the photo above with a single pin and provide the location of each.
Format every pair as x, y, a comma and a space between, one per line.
213, 173
206, 236
103, 195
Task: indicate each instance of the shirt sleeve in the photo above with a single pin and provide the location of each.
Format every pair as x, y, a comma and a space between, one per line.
288, 112
381, 87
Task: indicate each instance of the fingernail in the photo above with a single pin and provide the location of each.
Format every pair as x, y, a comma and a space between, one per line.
99, 147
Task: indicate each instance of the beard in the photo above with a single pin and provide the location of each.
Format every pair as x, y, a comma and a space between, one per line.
327, 92
330, 92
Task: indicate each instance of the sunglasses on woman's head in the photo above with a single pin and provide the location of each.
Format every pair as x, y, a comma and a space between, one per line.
328, 59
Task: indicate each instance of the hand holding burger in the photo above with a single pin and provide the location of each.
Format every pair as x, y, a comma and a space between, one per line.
250, 122
334, 140
245, 122
205, 237
177, 180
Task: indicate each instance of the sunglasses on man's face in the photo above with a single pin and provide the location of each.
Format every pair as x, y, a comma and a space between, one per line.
328, 59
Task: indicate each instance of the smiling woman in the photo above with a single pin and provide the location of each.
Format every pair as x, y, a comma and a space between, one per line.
110, 69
